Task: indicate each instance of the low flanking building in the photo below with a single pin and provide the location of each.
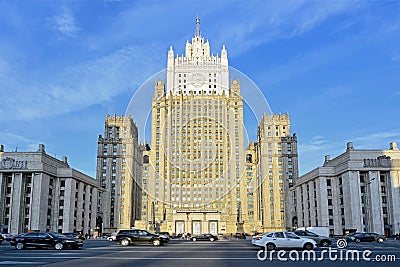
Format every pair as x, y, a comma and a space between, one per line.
358, 190
41, 193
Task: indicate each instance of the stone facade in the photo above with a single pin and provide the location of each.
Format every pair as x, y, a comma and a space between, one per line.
356, 191
40, 192
119, 172
276, 164
197, 179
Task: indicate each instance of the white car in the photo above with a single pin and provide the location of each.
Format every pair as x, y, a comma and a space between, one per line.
112, 237
275, 240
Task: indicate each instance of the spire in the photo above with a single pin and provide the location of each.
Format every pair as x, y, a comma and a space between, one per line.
197, 34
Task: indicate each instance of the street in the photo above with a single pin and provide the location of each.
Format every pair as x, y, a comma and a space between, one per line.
99, 252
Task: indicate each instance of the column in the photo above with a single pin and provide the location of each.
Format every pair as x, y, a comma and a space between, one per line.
17, 200
374, 203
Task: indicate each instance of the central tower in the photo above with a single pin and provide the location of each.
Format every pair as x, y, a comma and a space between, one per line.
196, 162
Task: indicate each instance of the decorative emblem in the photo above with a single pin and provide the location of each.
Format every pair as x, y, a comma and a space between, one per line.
381, 161
7, 163
10, 163
198, 79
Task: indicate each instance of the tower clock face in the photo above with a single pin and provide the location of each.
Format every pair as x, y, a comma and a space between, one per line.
198, 79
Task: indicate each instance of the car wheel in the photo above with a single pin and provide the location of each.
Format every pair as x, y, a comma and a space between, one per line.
109, 239
308, 246
58, 246
125, 242
194, 239
19, 246
156, 242
270, 246
212, 239
357, 240
380, 240
325, 243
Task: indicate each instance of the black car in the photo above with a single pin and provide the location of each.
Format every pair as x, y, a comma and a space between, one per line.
322, 241
43, 240
368, 237
135, 236
78, 238
204, 237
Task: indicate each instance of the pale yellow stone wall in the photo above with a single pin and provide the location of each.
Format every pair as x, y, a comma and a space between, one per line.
276, 159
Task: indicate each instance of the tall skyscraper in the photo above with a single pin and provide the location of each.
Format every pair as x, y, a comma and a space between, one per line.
119, 159
197, 176
276, 161
197, 144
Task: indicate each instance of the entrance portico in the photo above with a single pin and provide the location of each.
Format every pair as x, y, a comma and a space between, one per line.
195, 222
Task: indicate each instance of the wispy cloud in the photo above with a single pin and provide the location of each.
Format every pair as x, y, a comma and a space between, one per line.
79, 86
312, 151
265, 22
13, 142
305, 63
377, 140
65, 23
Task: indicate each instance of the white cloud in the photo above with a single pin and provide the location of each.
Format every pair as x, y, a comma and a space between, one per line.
13, 142
65, 24
377, 140
262, 22
304, 63
78, 87
312, 151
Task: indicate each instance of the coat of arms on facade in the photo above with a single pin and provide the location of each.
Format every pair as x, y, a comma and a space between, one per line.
10, 163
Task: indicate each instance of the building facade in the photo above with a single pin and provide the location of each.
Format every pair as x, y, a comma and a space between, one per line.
197, 144
198, 179
119, 173
276, 163
356, 191
39, 192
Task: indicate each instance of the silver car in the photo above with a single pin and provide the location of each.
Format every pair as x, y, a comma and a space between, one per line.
275, 240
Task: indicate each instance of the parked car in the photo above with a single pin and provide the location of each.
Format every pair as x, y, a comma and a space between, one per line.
275, 240
322, 241
78, 238
166, 234
43, 240
112, 237
1, 239
135, 236
368, 237
239, 236
7, 237
204, 237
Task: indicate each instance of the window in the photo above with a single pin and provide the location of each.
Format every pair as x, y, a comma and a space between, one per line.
329, 191
279, 235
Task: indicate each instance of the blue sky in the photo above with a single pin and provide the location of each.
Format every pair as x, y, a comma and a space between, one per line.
333, 65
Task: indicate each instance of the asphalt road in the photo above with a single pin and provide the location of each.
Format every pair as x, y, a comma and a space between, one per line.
101, 253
